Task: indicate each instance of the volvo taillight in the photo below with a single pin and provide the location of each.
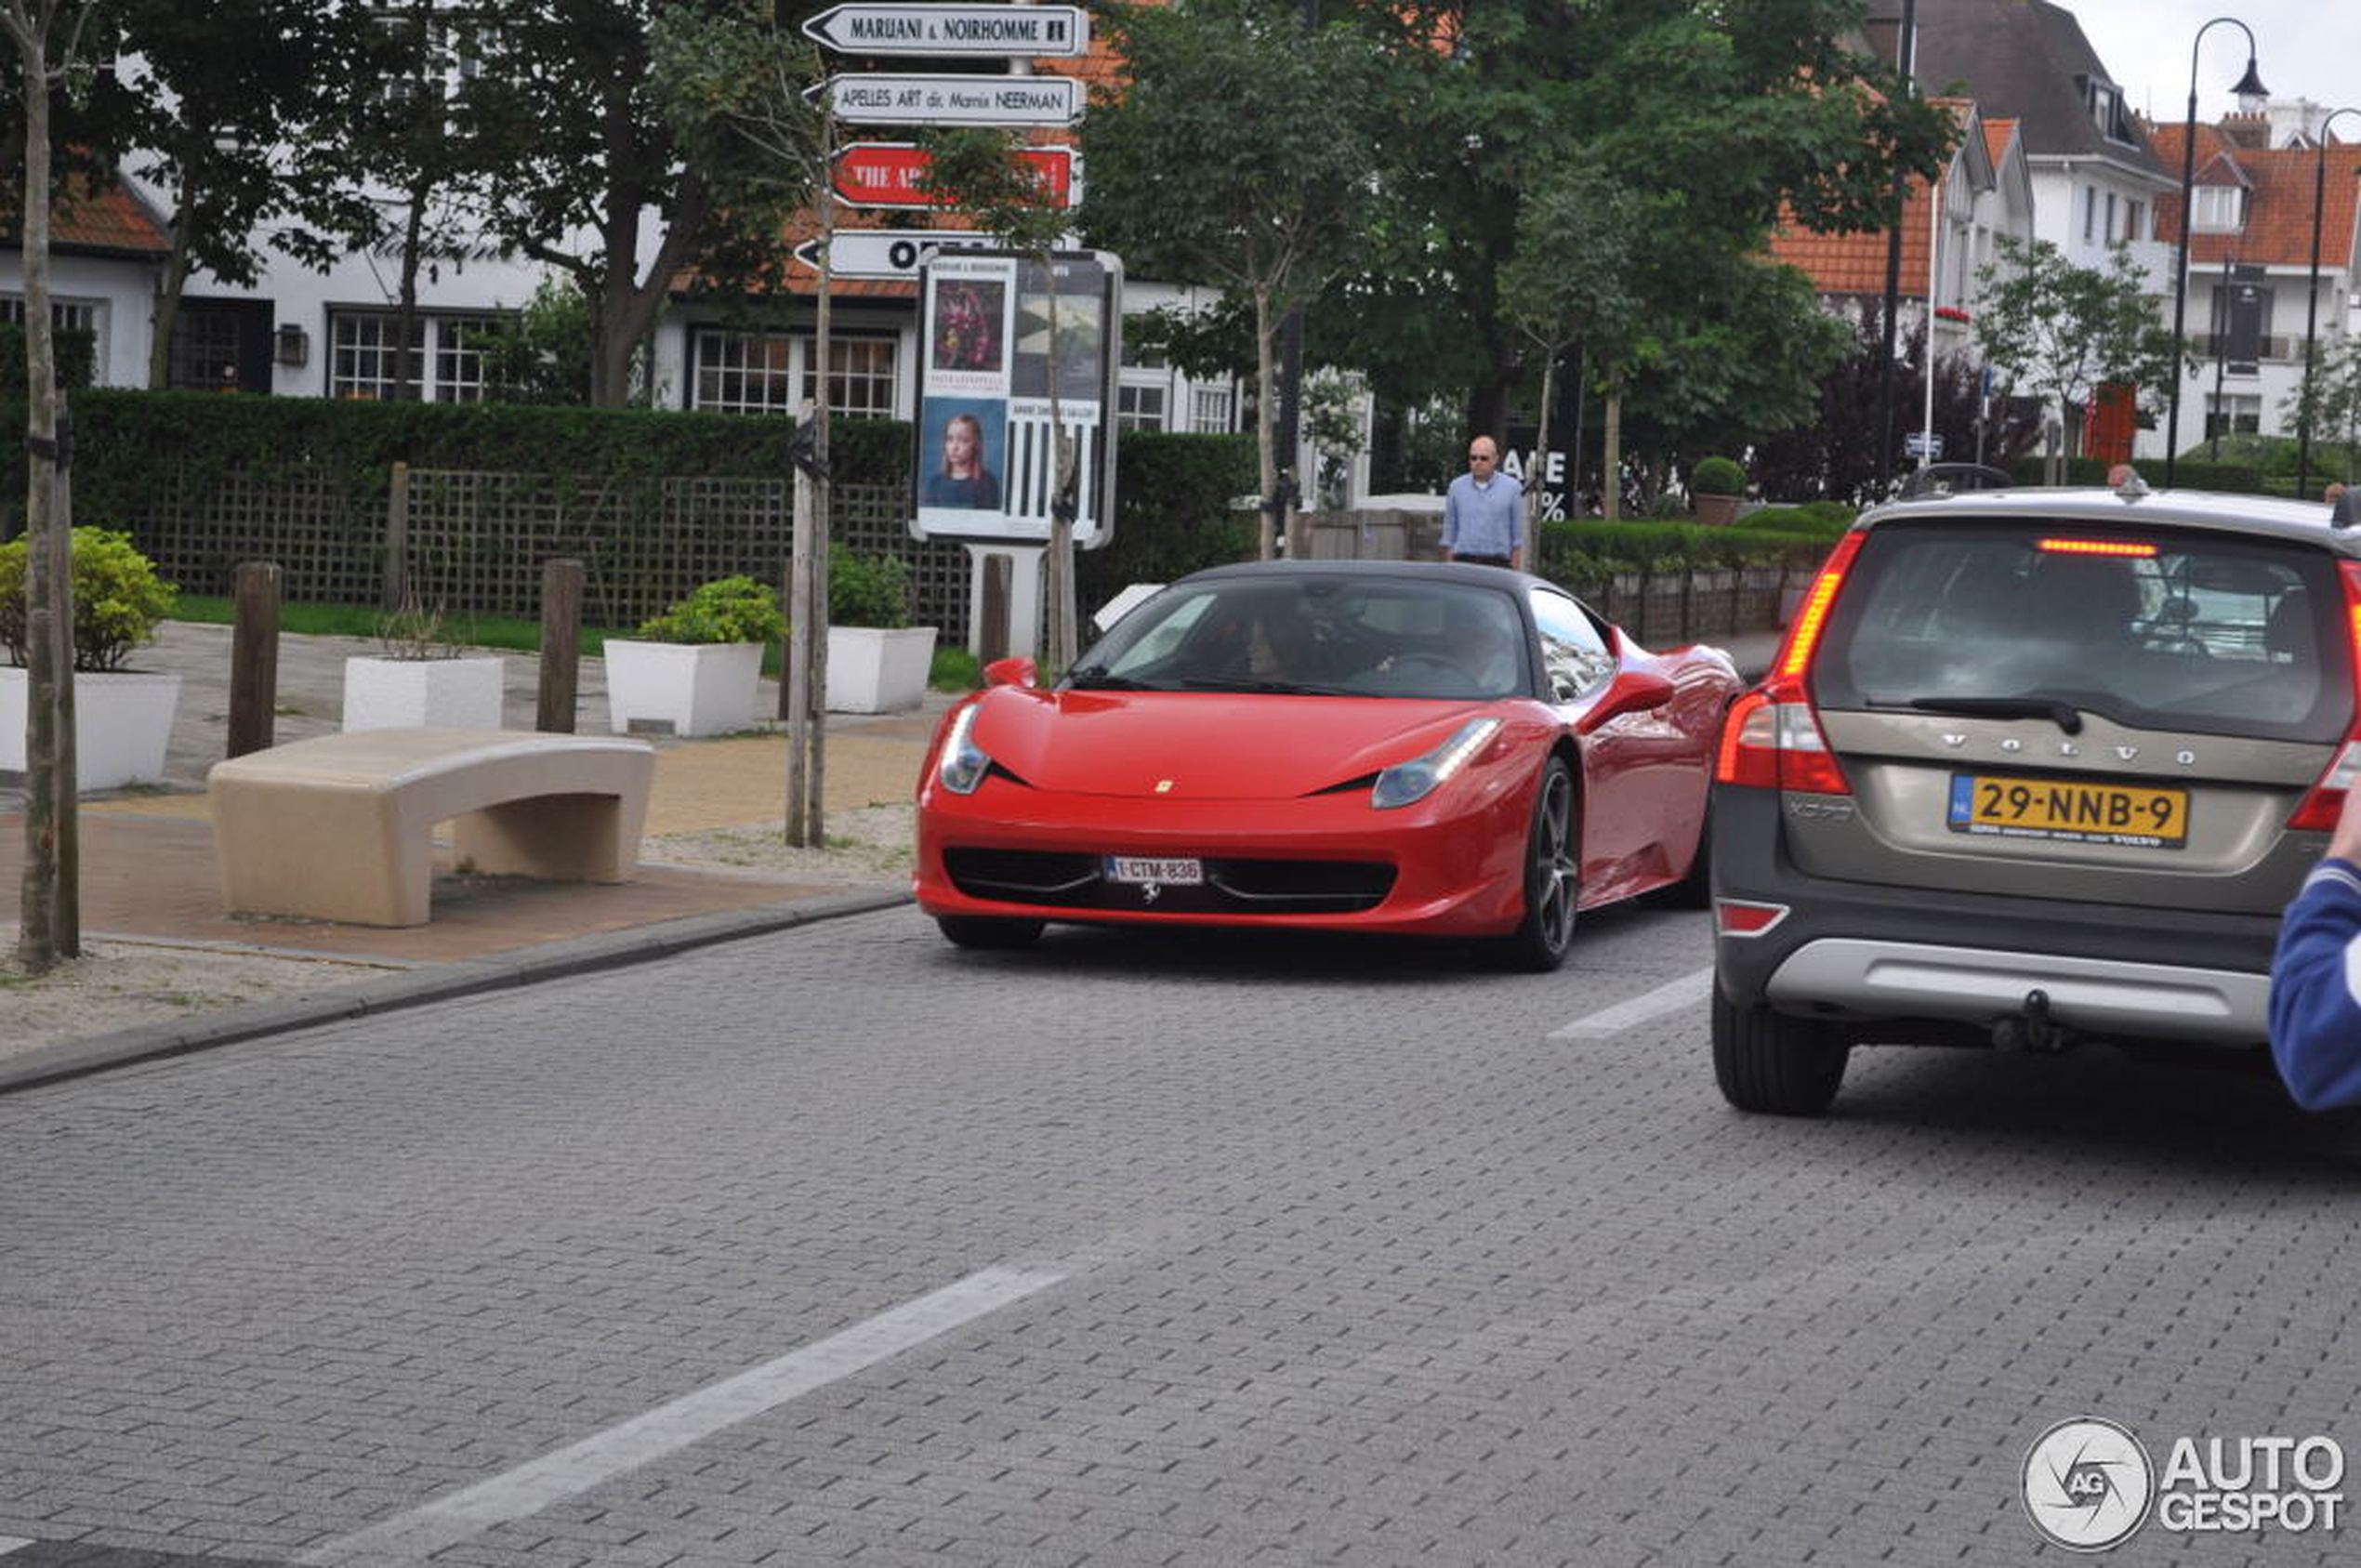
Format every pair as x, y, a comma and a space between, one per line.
2318, 813
1772, 739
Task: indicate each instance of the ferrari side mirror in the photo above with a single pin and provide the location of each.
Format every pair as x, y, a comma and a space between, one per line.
1018, 671
1632, 691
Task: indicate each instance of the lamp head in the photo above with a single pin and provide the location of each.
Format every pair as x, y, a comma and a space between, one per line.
2250, 85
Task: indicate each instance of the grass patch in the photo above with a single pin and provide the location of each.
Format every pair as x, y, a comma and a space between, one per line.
360, 620
955, 669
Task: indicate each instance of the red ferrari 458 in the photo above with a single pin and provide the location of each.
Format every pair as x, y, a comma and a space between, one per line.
1410, 747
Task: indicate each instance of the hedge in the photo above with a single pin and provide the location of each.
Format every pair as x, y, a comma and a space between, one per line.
1172, 512
2235, 479
1583, 549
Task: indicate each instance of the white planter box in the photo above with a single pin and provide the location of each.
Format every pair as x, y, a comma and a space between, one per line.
122, 724
423, 694
680, 688
875, 670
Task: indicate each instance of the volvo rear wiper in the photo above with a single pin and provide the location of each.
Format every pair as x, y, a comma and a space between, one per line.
2063, 713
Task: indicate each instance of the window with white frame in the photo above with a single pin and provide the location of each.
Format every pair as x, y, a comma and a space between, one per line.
1140, 407
2135, 221
2232, 414
2219, 208
1209, 410
447, 359
2090, 213
744, 372
74, 315
460, 343
738, 371
860, 374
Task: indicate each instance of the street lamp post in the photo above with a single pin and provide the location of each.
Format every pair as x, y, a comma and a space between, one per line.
2248, 84
2308, 399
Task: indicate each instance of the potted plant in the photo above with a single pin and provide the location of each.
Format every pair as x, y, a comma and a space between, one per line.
694, 670
422, 681
878, 661
1715, 485
122, 718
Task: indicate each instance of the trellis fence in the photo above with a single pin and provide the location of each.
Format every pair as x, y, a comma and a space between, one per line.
473, 542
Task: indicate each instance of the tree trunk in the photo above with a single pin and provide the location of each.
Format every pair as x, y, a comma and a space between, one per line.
406, 387
1062, 619
1265, 437
1612, 479
167, 311
49, 585
1535, 475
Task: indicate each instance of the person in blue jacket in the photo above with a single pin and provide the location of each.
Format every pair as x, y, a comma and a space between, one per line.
2316, 976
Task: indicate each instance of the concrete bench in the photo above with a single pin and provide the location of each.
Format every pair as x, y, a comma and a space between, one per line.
340, 827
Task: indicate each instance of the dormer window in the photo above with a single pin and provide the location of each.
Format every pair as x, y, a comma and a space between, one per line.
2106, 110
2219, 209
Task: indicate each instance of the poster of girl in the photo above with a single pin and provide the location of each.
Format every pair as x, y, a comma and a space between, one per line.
964, 445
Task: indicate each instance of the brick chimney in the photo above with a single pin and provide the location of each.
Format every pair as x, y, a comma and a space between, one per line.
2252, 131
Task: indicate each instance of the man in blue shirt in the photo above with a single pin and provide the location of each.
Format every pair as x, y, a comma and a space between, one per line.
1484, 511
2316, 977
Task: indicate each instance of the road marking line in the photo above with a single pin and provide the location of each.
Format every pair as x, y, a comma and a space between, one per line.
537, 1483
13, 1543
1671, 997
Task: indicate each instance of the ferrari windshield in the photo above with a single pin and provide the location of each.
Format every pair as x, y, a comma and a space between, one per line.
1302, 634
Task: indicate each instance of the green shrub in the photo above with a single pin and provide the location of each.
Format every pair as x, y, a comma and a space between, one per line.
726, 610
1172, 512
1584, 551
117, 598
867, 590
1717, 476
1824, 521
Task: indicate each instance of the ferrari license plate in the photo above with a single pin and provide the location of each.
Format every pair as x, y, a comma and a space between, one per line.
2070, 811
1163, 869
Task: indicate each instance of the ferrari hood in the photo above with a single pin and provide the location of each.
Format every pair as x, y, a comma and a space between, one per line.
1204, 745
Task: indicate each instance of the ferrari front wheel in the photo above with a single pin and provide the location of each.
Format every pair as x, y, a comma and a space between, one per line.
988, 932
1552, 876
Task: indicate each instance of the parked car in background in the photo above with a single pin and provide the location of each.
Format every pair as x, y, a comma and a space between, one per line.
1416, 748
2033, 767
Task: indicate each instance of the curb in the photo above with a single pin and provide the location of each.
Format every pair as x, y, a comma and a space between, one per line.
441, 982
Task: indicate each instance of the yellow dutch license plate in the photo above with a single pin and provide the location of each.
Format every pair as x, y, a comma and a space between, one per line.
2069, 810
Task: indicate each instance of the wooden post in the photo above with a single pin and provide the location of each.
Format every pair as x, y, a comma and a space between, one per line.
797, 672
560, 645
254, 658
397, 563
999, 574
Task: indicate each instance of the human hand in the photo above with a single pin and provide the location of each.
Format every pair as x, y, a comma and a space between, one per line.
2345, 842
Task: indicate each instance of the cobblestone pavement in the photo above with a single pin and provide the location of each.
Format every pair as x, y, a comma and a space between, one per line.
1352, 1262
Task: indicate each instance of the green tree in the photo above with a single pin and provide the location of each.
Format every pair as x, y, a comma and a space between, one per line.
2061, 331
599, 181
2329, 400
1567, 284
1727, 116
1239, 151
221, 91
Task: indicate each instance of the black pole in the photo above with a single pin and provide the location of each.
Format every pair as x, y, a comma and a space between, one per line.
1906, 53
2308, 400
2181, 261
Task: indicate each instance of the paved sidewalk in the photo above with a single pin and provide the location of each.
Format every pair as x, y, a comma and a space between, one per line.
148, 872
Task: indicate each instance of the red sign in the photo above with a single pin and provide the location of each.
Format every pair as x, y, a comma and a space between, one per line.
885, 174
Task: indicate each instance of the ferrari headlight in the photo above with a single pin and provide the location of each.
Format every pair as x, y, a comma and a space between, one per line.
964, 762
1405, 784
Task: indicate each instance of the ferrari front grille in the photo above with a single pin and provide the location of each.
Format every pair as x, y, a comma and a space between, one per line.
1064, 880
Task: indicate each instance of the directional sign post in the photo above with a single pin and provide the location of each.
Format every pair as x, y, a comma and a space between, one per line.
886, 98
1034, 31
889, 173
888, 252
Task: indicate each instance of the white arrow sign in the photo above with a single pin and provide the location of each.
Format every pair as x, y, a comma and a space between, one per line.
887, 252
883, 99
1034, 32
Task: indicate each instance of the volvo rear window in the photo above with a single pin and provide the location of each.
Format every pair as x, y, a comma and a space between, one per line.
2156, 630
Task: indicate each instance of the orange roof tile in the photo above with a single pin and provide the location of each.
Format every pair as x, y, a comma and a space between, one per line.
2278, 230
109, 220
1998, 133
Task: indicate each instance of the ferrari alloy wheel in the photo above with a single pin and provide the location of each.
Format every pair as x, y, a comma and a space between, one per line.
1552, 876
988, 932
1768, 1061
